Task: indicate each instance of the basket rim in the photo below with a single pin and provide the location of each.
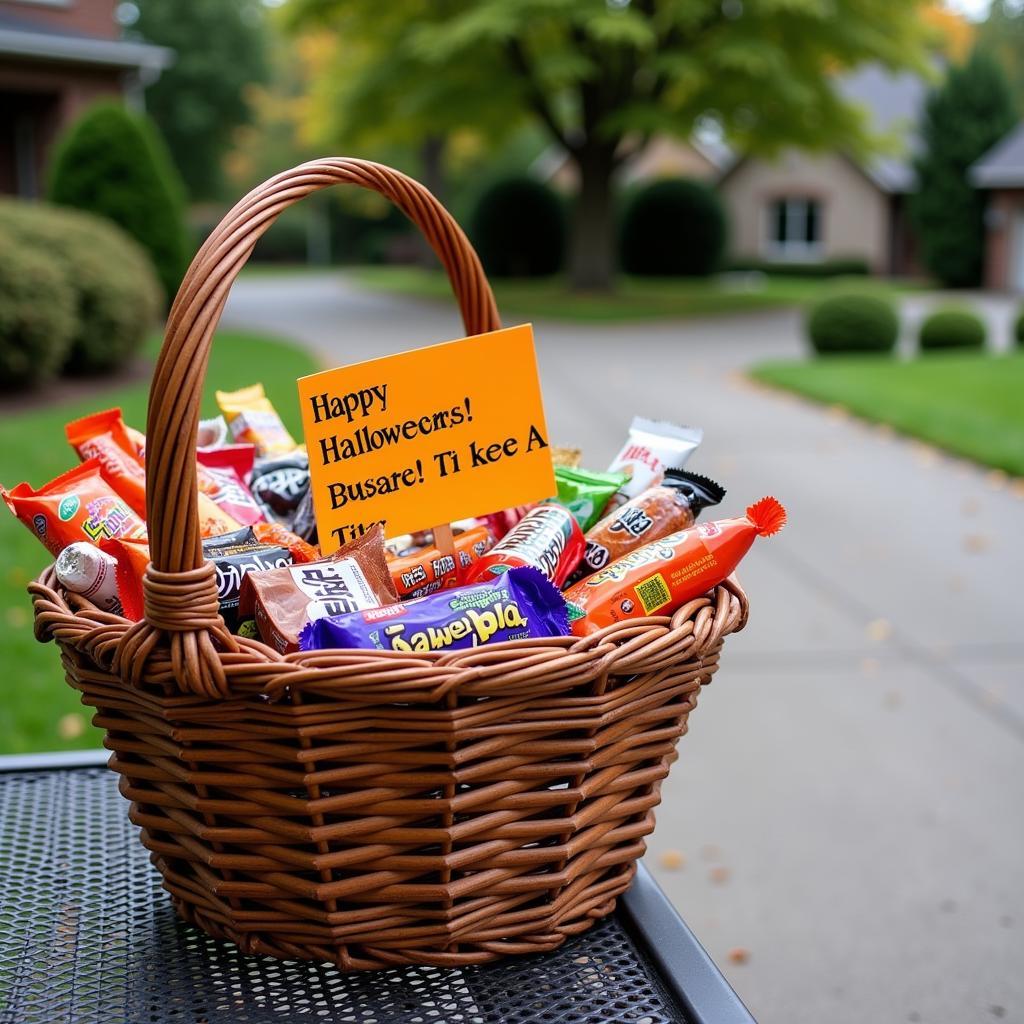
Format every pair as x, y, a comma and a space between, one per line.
656, 642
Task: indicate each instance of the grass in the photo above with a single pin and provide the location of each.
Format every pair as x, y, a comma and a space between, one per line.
969, 404
35, 697
633, 299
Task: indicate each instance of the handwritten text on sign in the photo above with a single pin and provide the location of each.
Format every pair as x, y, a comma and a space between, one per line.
426, 436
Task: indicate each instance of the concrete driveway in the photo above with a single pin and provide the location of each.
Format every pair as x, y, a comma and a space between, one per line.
844, 829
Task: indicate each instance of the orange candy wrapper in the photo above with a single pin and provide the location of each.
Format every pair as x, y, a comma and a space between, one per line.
78, 505
662, 576
275, 533
428, 570
104, 436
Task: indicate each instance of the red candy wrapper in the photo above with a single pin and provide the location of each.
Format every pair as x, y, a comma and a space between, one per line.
547, 537
662, 576
222, 475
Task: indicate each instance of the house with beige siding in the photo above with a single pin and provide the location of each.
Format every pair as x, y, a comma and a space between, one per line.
806, 207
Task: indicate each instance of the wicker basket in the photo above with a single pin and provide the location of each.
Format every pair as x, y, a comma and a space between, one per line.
360, 807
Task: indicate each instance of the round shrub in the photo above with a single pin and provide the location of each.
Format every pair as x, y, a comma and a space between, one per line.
518, 229
952, 328
673, 228
853, 322
114, 163
116, 296
1018, 328
37, 315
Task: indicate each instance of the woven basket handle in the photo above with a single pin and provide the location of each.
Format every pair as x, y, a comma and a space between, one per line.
180, 587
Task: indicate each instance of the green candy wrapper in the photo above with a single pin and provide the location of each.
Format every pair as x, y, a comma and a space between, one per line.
585, 493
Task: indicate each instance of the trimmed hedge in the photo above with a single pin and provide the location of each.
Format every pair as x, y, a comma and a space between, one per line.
116, 295
518, 229
951, 327
37, 315
673, 228
852, 322
114, 163
845, 266
1018, 328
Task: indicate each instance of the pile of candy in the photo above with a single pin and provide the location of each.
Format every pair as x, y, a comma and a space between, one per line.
610, 547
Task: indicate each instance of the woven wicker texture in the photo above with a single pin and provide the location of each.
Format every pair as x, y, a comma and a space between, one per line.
361, 807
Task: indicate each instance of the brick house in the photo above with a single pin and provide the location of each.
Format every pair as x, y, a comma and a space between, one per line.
1000, 173
57, 57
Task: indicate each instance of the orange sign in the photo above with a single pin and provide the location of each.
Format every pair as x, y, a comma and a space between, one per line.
421, 438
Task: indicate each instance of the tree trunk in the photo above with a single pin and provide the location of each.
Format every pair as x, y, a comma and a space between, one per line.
592, 242
432, 175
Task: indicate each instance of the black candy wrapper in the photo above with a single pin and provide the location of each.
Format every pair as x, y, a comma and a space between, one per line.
517, 605
279, 485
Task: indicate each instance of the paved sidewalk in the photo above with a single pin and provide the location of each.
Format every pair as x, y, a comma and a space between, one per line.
847, 806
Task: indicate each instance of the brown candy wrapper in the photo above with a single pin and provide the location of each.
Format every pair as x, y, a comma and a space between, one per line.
282, 601
666, 508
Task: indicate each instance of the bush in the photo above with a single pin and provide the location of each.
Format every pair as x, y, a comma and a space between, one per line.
1018, 328
37, 315
952, 328
673, 228
114, 164
853, 322
518, 229
116, 296
845, 266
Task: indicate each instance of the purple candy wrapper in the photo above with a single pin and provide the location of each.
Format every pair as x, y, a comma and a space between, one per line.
521, 603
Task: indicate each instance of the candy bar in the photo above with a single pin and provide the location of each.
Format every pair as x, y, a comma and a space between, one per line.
666, 508
221, 476
78, 505
282, 601
653, 447
585, 494
279, 486
548, 538
253, 419
518, 605
662, 576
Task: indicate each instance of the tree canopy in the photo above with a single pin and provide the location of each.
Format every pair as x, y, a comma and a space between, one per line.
203, 96
602, 78
964, 117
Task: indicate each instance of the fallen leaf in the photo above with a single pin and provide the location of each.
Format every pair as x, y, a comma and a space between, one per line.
879, 630
738, 955
996, 479
719, 875
71, 726
976, 543
1017, 487
870, 666
837, 412
16, 616
672, 860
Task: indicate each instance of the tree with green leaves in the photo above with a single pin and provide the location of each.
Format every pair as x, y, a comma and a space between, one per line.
965, 116
113, 163
1001, 35
603, 76
202, 98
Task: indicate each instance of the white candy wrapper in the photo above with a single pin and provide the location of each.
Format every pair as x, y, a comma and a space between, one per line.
84, 569
213, 433
653, 446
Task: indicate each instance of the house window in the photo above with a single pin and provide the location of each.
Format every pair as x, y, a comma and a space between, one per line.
794, 229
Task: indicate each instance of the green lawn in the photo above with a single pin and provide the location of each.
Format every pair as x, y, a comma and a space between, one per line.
969, 404
33, 448
633, 299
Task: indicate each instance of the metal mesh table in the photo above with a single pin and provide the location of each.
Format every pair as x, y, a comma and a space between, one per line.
87, 935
